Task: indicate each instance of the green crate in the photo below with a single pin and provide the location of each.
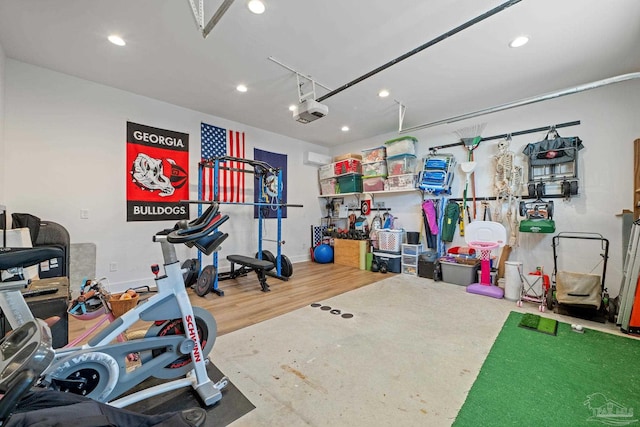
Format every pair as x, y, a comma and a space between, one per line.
351, 183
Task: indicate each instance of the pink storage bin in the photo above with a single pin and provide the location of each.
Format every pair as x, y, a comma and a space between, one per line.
373, 184
328, 186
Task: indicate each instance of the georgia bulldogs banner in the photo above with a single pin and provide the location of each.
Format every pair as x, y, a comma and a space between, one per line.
157, 178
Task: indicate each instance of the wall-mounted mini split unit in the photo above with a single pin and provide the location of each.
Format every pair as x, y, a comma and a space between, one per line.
309, 110
316, 159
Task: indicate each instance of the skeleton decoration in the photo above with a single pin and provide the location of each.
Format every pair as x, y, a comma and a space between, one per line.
508, 188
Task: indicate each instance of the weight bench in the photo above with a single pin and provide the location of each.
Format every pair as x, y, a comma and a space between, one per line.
250, 264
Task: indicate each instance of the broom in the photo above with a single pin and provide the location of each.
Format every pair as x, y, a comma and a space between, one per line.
470, 137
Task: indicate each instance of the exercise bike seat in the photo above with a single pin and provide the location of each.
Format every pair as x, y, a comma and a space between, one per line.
200, 222
25, 257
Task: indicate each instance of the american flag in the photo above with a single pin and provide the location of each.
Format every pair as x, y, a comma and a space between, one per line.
217, 142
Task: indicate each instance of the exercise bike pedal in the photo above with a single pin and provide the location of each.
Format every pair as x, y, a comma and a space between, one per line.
210, 392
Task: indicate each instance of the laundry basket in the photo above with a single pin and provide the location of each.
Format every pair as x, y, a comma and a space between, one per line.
390, 240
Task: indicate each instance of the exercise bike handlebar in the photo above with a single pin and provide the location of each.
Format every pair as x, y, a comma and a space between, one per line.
201, 227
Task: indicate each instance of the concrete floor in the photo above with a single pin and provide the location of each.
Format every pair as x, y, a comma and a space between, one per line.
408, 357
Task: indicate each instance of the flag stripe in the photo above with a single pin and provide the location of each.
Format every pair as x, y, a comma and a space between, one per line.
217, 142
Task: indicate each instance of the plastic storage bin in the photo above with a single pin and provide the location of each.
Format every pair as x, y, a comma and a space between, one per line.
326, 171
347, 166
328, 186
459, 274
374, 169
391, 260
402, 145
401, 182
373, 184
377, 154
351, 183
401, 165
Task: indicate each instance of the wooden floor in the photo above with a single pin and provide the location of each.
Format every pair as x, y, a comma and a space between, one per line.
244, 304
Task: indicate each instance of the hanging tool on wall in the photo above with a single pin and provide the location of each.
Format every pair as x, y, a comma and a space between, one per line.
471, 138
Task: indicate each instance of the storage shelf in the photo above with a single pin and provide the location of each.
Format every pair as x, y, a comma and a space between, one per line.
338, 195
408, 190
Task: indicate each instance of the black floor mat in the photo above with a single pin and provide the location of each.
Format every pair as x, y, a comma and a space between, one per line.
232, 406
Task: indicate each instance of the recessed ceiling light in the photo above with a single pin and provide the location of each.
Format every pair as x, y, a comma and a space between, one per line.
292, 108
241, 88
117, 40
345, 128
383, 93
519, 41
256, 6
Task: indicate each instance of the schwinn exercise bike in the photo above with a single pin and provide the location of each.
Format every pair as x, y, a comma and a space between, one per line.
174, 348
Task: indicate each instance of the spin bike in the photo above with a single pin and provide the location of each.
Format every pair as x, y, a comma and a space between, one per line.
169, 349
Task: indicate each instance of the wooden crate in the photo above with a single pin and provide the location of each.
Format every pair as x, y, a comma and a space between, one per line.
351, 253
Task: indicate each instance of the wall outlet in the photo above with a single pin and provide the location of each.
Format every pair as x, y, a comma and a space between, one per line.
84, 213
113, 266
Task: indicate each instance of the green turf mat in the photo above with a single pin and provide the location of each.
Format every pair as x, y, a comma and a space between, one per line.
539, 323
548, 326
588, 379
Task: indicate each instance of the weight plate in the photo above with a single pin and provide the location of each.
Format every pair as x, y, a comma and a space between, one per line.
286, 268
204, 283
267, 256
191, 275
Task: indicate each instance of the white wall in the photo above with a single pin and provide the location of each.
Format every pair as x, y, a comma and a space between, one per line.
609, 125
66, 149
2, 85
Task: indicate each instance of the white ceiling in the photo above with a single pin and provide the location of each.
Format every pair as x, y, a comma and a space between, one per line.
334, 41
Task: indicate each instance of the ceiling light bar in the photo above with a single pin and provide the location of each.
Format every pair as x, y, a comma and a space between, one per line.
527, 101
438, 39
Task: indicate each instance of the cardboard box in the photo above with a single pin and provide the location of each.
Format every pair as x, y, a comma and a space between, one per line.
348, 156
